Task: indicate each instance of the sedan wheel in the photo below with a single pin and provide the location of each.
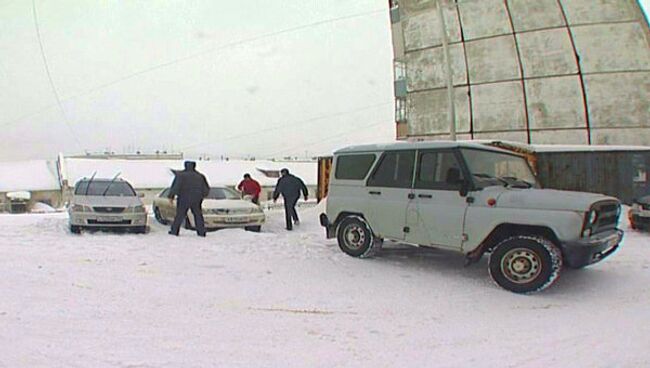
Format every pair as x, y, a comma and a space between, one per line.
158, 216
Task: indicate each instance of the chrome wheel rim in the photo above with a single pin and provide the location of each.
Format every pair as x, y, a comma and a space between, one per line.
354, 236
521, 265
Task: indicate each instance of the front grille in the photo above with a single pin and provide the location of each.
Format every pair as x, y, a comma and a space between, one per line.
109, 209
608, 213
98, 222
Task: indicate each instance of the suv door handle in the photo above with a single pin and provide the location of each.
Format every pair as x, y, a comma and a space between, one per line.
425, 196
373, 192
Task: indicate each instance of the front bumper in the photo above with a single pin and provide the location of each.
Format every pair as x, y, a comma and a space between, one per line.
105, 220
233, 221
591, 250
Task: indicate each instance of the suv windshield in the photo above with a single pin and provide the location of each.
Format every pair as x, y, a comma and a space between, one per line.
105, 188
222, 193
495, 168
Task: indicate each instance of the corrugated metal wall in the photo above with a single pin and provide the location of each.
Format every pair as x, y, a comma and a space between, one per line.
620, 174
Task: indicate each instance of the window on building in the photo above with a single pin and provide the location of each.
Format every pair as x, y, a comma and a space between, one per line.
640, 173
353, 167
395, 170
400, 110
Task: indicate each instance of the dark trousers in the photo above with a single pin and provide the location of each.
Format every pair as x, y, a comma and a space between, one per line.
290, 213
181, 215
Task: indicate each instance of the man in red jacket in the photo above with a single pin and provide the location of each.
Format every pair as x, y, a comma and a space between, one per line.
251, 187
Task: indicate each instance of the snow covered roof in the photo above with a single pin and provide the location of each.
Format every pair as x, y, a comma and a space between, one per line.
158, 174
34, 175
541, 148
586, 148
401, 145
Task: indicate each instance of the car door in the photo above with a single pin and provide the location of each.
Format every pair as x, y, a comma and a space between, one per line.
387, 192
437, 211
167, 209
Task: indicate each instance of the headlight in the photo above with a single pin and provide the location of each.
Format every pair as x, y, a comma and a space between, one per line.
138, 209
81, 208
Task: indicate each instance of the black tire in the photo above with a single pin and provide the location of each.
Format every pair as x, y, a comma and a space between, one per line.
158, 216
355, 237
75, 229
188, 224
525, 264
255, 229
140, 230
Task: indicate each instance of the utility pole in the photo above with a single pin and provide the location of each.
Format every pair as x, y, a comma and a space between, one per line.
450, 77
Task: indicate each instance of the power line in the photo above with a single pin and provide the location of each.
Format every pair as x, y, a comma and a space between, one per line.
227, 45
201, 53
295, 123
49, 75
321, 140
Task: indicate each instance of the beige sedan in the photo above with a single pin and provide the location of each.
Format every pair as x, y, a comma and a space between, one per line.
223, 208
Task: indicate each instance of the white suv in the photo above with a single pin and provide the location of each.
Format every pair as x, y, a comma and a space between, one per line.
468, 198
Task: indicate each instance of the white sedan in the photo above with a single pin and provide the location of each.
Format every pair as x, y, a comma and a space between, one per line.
223, 208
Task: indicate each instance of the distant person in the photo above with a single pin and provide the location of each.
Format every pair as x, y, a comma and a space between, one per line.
251, 187
290, 187
191, 187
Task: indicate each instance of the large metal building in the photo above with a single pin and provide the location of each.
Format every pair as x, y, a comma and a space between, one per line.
534, 71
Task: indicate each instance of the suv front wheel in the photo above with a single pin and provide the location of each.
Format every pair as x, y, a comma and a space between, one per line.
525, 264
356, 238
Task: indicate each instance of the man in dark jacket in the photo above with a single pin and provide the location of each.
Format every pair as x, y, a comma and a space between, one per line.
191, 187
290, 187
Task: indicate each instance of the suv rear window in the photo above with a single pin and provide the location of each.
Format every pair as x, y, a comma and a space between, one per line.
353, 167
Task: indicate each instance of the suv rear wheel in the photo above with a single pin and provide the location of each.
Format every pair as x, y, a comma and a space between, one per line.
525, 264
356, 238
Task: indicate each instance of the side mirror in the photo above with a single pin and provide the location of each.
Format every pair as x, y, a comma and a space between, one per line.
141, 195
464, 189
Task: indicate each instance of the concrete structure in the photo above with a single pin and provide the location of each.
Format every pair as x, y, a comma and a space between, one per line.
38, 177
534, 71
158, 155
149, 177
52, 182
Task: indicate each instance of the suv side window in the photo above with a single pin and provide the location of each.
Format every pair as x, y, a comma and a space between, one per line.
438, 170
395, 170
353, 167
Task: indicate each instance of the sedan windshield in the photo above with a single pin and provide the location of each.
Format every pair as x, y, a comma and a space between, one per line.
495, 168
105, 188
222, 193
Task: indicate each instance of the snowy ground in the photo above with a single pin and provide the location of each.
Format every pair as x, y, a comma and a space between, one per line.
280, 299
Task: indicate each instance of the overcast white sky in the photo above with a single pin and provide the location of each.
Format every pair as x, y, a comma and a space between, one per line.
134, 75
268, 97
